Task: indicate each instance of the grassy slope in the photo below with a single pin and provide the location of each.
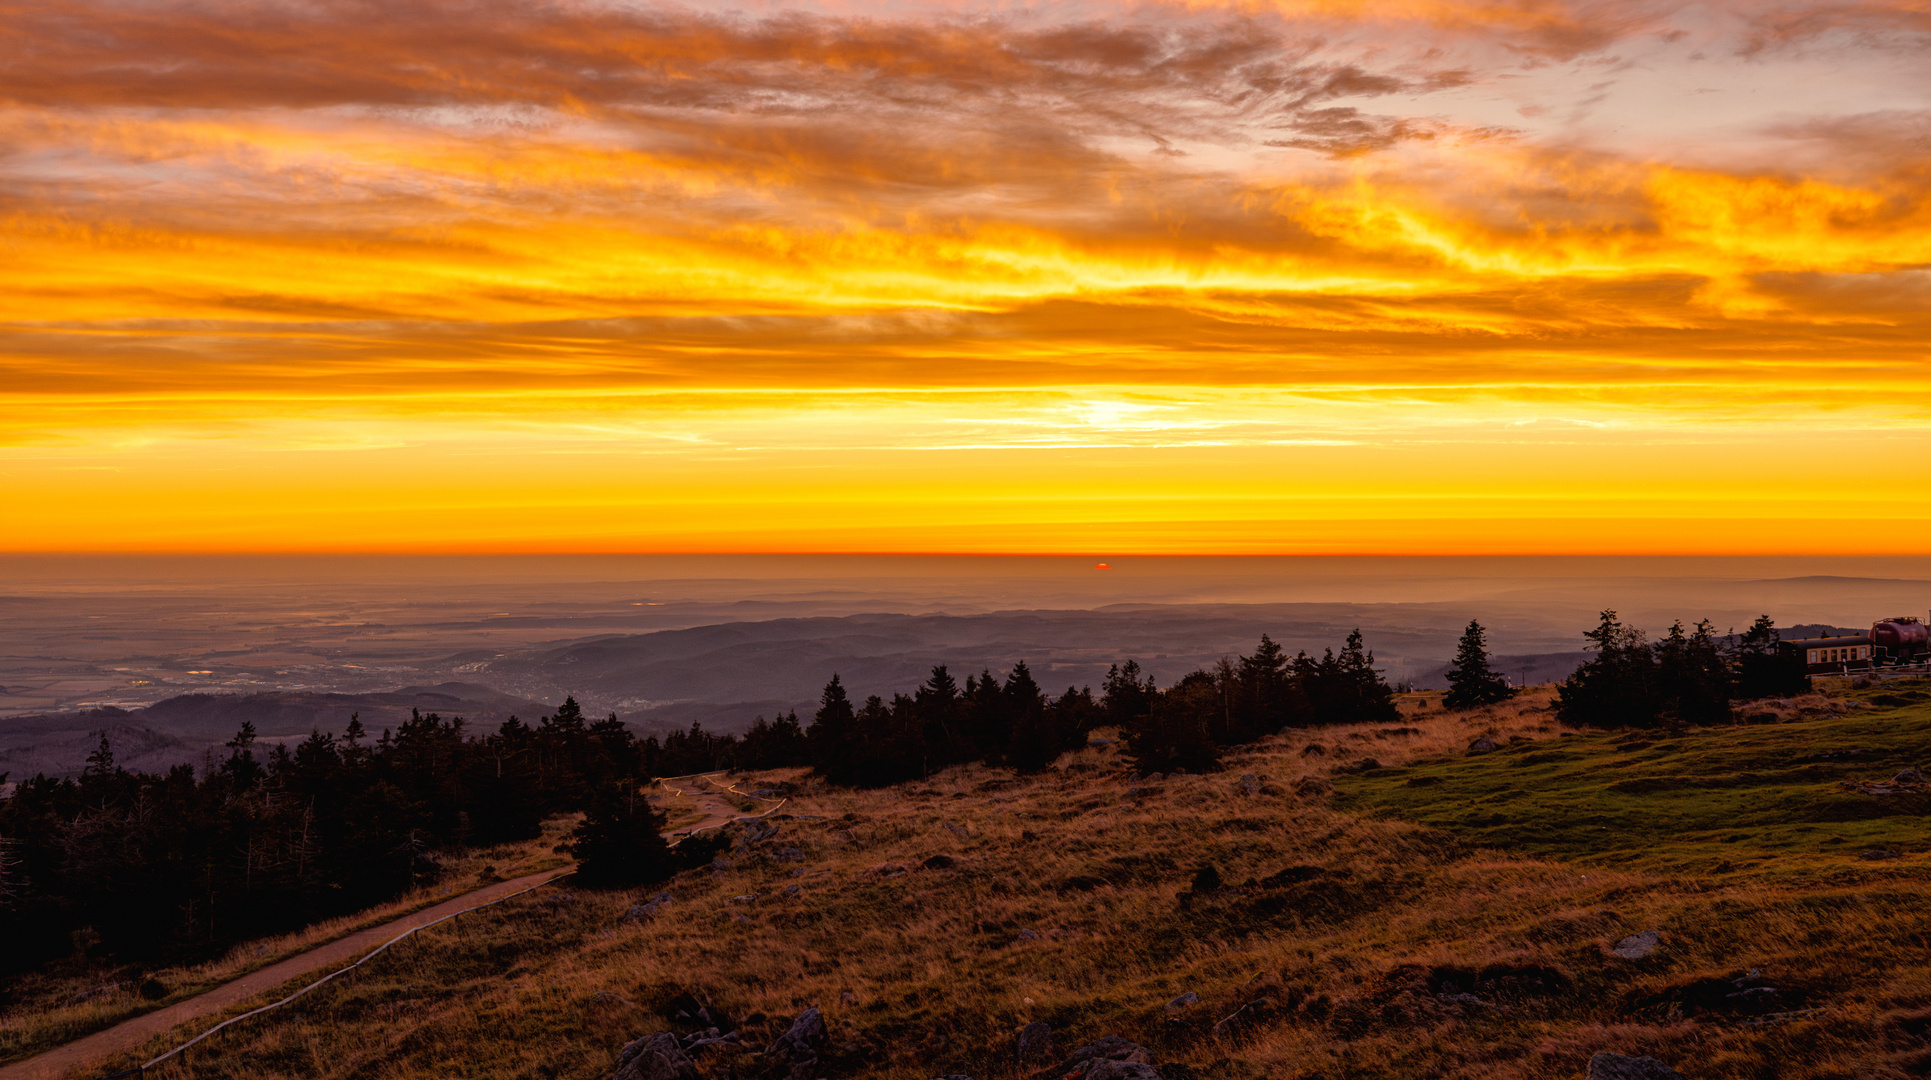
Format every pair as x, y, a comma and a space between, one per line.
1396, 894
79, 997
1767, 799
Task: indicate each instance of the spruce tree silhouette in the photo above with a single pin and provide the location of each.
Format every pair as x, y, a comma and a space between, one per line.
620, 842
1471, 682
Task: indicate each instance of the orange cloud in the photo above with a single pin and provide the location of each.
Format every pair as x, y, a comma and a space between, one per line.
578, 275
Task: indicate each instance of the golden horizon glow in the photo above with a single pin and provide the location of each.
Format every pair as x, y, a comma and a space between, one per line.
1296, 277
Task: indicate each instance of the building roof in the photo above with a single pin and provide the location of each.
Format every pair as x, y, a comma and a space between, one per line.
1825, 642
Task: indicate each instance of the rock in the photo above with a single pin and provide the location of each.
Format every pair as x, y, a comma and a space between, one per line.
1112, 1048
1250, 785
940, 862
1908, 776
647, 909
846, 997
1153, 776
1245, 1018
791, 854
720, 863
654, 1057
1483, 745
959, 831
1098, 742
746, 898
1035, 1042
886, 870
1638, 945
729, 1042
1877, 853
793, 892
1028, 935
1618, 1067
801, 1043
1266, 980
1184, 1000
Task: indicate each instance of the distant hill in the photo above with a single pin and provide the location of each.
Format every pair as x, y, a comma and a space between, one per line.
182, 729
1522, 670
722, 675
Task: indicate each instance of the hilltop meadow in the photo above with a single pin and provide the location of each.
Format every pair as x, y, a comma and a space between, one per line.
1367, 900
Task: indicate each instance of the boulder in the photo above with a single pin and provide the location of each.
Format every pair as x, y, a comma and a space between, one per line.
1035, 1043
1184, 1000
1483, 745
802, 1041
1111, 1050
1619, 1067
647, 909
1250, 784
959, 831
655, 1057
1638, 945
730, 1042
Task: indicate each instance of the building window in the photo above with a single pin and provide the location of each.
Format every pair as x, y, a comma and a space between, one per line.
1813, 656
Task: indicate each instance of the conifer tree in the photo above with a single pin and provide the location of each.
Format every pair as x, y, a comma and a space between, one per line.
1617, 686
832, 734
1471, 681
620, 842
1035, 741
1174, 733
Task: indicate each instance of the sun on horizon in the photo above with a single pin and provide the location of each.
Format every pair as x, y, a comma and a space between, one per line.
1462, 277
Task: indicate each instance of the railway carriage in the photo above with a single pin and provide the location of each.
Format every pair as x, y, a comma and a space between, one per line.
1890, 643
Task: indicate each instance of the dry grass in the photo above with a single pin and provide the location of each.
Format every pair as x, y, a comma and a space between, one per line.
1069, 901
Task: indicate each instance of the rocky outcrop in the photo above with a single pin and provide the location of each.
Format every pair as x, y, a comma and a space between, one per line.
800, 1045
655, 1057
1035, 1043
1110, 1058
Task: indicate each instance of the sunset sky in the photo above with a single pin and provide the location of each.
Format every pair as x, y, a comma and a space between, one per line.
1389, 277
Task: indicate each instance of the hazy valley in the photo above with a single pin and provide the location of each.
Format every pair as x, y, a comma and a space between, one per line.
666, 642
